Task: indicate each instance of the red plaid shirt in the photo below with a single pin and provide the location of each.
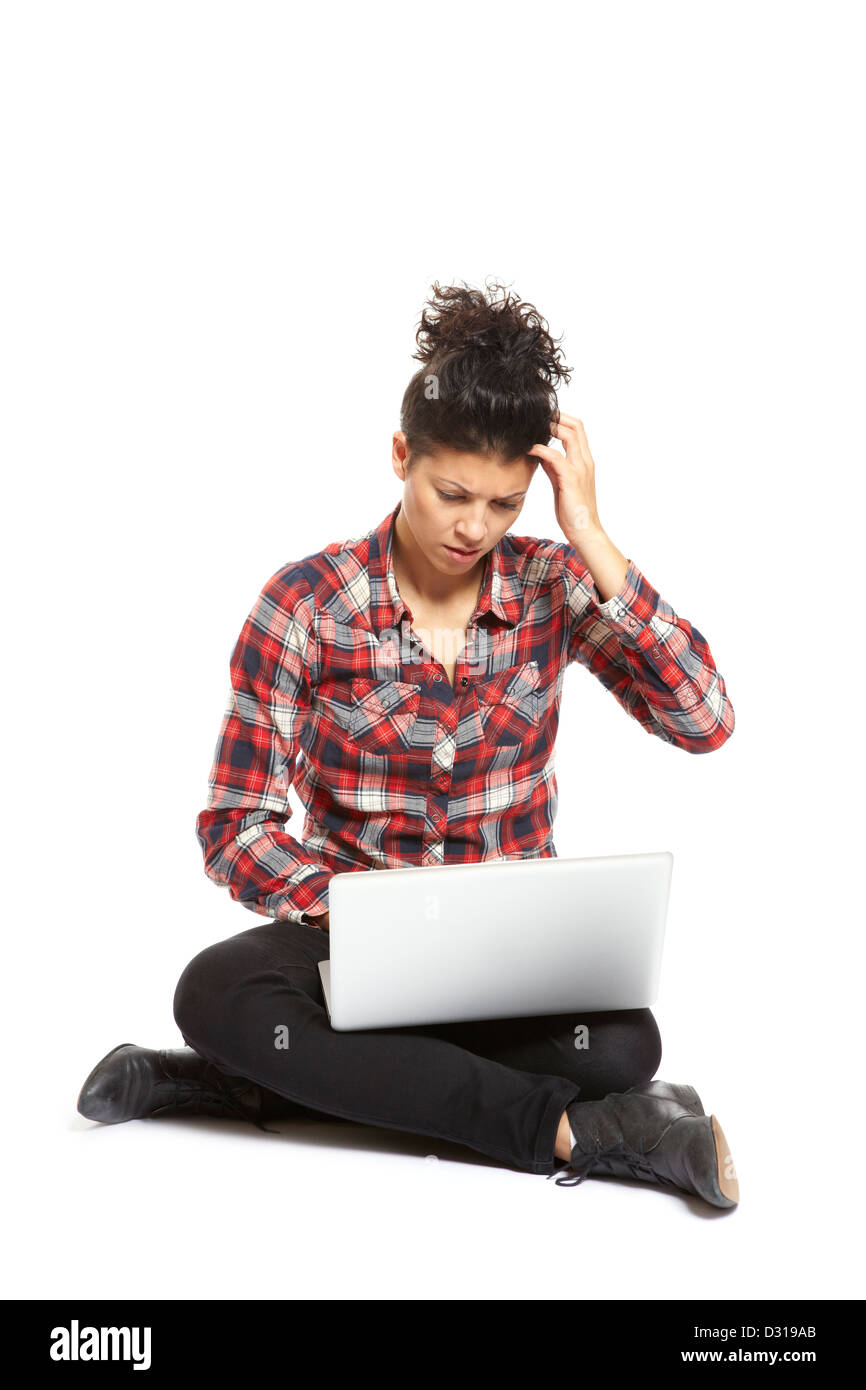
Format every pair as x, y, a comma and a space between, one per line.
333, 694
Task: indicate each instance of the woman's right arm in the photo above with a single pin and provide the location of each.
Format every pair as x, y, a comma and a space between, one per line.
241, 834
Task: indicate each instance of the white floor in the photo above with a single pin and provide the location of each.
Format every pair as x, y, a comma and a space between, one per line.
198, 1207
760, 1009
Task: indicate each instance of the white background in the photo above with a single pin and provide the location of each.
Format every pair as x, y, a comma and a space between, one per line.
221, 223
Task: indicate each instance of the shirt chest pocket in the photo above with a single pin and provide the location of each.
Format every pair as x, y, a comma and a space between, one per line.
508, 705
383, 715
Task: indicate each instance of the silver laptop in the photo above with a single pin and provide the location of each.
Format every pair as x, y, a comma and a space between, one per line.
504, 938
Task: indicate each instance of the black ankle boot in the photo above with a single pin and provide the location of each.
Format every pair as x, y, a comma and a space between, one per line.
657, 1133
132, 1082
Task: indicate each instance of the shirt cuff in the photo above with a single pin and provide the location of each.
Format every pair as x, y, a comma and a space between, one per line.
635, 605
308, 897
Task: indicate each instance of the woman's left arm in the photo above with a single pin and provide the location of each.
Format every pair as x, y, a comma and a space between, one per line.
658, 666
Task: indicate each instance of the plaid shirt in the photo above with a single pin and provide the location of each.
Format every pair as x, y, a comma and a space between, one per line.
332, 693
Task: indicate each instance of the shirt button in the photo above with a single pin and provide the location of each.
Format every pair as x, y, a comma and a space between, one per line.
464, 680
437, 677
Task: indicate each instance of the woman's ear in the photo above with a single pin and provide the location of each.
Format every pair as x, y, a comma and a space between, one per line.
399, 455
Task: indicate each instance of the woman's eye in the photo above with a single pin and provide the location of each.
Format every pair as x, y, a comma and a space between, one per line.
452, 497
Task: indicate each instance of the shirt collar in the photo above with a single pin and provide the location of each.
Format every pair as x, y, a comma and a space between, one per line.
501, 590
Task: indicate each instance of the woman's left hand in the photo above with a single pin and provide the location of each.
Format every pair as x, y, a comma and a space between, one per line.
572, 477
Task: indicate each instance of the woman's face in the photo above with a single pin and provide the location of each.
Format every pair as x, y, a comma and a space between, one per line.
456, 501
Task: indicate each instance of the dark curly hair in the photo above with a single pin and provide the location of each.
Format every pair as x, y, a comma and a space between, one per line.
488, 384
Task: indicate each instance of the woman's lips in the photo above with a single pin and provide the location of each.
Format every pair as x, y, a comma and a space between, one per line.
457, 550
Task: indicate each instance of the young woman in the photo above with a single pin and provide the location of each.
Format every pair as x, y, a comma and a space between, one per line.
418, 669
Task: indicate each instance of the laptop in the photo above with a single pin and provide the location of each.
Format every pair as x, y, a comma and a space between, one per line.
508, 938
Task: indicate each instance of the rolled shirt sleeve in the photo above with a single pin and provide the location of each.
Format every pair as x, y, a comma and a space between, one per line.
241, 831
656, 664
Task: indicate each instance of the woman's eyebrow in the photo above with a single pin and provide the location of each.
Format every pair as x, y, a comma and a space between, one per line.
461, 488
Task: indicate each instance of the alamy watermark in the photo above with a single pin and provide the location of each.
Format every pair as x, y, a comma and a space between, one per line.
399, 644
75, 1343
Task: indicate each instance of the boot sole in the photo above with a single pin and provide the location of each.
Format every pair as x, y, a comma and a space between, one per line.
725, 1173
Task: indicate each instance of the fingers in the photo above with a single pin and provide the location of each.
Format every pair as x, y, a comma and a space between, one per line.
567, 422
570, 430
552, 460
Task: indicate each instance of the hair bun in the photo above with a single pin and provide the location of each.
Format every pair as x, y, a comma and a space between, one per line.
488, 383
508, 331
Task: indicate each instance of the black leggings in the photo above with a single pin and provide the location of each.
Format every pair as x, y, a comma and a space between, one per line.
498, 1086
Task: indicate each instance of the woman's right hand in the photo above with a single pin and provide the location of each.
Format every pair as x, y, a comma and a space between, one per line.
322, 919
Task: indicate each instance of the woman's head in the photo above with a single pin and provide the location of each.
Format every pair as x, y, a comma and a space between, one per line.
485, 394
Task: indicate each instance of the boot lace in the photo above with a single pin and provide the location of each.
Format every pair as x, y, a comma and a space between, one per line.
636, 1161
217, 1092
